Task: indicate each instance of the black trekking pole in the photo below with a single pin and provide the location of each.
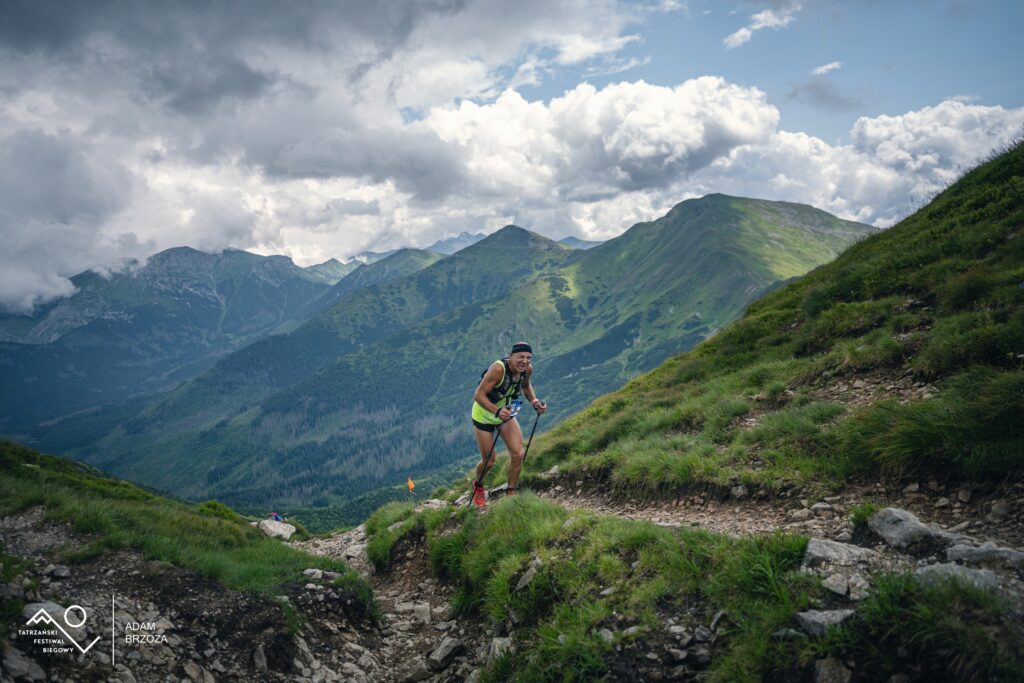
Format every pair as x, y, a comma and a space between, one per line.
531, 438
487, 460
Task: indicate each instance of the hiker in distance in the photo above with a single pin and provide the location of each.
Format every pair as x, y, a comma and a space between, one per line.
495, 404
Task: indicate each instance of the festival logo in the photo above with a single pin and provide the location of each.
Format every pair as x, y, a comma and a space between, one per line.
48, 641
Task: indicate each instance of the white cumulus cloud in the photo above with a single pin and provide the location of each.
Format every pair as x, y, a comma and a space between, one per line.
592, 142
893, 164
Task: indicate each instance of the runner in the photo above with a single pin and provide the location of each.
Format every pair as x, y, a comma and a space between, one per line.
495, 404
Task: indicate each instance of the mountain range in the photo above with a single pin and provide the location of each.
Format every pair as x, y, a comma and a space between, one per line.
147, 328
143, 328
378, 385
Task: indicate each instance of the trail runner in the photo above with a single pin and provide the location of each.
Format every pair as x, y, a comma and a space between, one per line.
493, 411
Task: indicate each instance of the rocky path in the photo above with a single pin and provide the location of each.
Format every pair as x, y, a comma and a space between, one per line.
419, 639
922, 528
996, 518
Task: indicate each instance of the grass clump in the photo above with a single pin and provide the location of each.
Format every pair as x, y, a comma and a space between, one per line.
860, 514
972, 431
950, 631
383, 528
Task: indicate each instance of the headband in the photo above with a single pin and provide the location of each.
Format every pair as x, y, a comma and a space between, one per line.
521, 346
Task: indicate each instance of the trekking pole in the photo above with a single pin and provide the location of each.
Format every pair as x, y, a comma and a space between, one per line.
531, 438
487, 460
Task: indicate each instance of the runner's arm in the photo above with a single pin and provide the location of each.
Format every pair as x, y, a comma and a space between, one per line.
490, 381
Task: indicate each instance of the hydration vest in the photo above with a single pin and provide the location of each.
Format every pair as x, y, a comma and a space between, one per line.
507, 389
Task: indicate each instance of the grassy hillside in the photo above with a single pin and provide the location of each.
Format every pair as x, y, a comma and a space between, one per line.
935, 303
208, 538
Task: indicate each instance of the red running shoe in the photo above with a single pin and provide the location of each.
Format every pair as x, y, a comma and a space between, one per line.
479, 496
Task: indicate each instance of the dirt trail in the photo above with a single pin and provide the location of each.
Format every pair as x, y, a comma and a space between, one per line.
822, 517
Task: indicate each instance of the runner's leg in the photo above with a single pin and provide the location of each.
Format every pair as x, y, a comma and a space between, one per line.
484, 441
512, 435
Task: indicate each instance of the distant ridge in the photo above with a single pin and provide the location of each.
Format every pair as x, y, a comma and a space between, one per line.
577, 243
453, 244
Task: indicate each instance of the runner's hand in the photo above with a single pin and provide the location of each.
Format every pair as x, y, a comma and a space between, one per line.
505, 414
539, 406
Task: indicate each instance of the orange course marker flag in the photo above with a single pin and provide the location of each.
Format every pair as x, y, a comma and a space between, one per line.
411, 485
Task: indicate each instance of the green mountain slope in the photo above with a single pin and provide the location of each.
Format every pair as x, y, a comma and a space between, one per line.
331, 270
394, 399
399, 264
922, 326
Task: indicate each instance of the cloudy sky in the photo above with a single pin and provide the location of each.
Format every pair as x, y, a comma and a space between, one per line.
322, 129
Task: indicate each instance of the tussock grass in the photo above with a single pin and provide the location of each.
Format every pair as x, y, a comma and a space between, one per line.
209, 538
952, 631
974, 430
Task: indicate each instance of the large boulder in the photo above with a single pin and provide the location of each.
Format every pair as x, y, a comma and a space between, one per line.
831, 670
442, 656
40, 613
816, 622
986, 553
276, 529
16, 664
498, 647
